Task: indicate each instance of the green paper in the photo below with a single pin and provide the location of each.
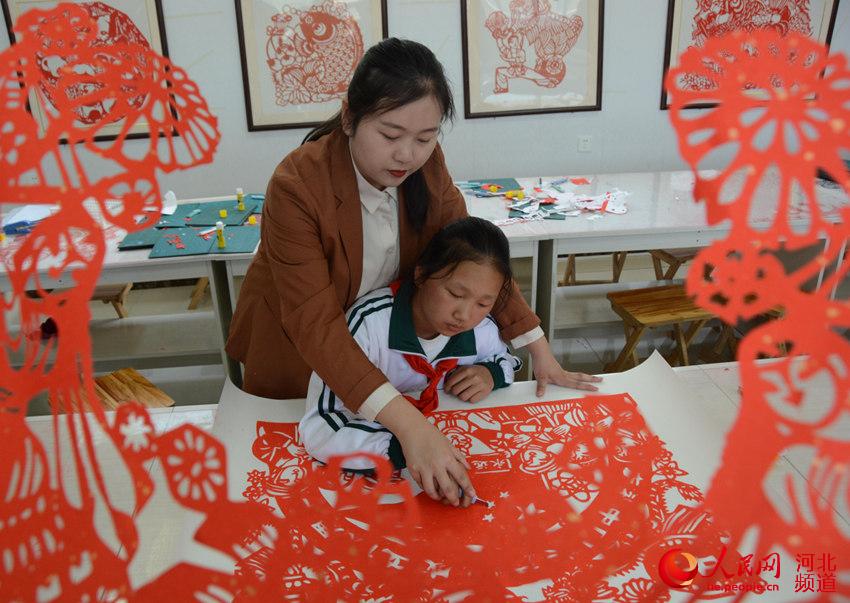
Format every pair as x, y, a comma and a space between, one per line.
178, 218
260, 201
208, 216
193, 244
238, 239
508, 184
140, 239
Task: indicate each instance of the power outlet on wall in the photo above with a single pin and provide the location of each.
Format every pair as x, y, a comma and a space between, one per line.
585, 143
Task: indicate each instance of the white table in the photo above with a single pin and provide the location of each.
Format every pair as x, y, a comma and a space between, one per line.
706, 396
662, 214
136, 266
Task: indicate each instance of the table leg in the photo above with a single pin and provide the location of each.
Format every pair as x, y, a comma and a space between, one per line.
627, 351
222, 296
627, 328
546, 286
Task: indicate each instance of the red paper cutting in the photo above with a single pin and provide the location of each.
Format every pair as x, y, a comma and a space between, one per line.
582, 483
65, 530
550, 34
311, 54
599, 497
783, 112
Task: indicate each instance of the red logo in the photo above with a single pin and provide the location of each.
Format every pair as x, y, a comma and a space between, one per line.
677, 568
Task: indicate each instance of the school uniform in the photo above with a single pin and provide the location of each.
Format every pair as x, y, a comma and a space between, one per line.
382, 325
317, 254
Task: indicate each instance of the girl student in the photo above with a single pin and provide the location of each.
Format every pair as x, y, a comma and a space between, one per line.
424, 334
346, 213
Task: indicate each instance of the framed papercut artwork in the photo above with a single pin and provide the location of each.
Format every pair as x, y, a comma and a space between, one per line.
299, 55
691, 22
133, 22
531, 56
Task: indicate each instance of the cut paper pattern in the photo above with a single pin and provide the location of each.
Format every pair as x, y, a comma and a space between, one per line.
600, 498
113, 27
783, 112
67, 531
532, 25
715, 18
312, 53
583, 483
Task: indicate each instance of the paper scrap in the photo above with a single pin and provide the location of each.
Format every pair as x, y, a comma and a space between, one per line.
30, 213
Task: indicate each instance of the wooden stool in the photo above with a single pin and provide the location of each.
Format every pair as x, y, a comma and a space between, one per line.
126, 385
618, 260
655, 307
674, 260
198, 292
115, 295
108, 294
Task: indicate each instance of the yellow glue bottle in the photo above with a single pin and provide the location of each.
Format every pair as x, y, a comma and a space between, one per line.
219, 234
240, 200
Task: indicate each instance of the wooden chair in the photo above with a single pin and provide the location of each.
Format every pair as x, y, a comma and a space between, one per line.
125, 385
674, 259
115, 295
618, 260
656, 307
108, 294
198, 292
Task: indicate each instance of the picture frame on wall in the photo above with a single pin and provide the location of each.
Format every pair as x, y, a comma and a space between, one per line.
298, 56
690, 22
525, 58
119, 22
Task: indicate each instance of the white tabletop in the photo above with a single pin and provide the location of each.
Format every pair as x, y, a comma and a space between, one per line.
660, 204
691, 413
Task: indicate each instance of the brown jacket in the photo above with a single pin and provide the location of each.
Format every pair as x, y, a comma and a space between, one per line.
290, 316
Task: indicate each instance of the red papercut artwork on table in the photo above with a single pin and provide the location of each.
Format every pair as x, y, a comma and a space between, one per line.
585, 500
532, 26
783, 114
311, 54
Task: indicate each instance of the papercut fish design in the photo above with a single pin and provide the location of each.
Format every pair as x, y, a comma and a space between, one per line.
312, 54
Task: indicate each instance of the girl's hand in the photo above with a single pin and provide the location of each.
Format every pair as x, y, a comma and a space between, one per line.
547, 370
469, 383
438, 467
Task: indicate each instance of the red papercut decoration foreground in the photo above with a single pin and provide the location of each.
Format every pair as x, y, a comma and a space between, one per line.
783, 113
599, 496
62, 537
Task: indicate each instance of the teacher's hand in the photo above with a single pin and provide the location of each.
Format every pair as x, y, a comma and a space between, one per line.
548, 370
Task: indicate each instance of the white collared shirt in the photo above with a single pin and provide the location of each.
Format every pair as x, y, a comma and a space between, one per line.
381, 258
381, 254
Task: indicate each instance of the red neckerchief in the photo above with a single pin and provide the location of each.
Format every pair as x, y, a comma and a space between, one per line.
428, 399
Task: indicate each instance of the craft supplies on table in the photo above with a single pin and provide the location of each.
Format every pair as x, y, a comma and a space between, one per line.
182, 231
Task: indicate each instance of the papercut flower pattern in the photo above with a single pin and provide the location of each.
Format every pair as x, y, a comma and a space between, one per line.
194, 466
785, 110
733, 281
776, 114
136, 431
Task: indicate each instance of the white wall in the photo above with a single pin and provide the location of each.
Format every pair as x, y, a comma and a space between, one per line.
630, 133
